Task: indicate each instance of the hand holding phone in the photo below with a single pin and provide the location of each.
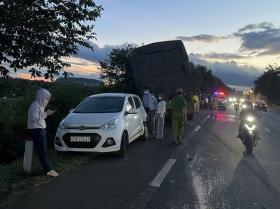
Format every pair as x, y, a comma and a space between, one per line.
50, 112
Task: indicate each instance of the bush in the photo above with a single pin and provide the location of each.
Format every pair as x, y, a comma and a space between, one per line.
12, 125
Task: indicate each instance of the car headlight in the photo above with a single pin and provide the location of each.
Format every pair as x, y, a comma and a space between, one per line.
242, 100
110, 125
244, 106
62, 125
250, 119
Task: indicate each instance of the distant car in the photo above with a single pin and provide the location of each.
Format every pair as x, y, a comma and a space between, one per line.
222, 105
260, 105
103, 123
205, 102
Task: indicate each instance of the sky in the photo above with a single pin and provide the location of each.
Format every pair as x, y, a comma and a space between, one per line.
236, 39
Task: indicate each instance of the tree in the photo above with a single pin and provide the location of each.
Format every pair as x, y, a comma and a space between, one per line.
268, 84
39, 33
203, 79
116, 70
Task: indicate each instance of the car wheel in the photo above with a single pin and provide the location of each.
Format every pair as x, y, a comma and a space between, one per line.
145, 136
122, 151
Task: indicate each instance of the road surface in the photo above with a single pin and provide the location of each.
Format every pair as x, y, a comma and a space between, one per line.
159, 175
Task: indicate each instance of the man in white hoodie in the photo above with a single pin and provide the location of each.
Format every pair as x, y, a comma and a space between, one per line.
37, 127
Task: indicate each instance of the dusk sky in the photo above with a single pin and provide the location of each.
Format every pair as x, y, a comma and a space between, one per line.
237, 39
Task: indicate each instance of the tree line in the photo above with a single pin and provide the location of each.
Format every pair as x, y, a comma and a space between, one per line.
268, 84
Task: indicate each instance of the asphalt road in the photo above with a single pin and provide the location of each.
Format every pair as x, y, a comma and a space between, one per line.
159, 175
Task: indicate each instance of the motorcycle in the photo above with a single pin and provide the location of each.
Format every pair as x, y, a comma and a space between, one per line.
248, 134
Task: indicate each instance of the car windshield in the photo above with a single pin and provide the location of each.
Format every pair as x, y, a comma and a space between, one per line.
101, 105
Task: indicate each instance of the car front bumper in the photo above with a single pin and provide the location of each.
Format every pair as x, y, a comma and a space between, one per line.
98, 139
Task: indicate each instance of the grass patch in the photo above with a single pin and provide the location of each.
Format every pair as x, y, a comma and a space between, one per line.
13, 179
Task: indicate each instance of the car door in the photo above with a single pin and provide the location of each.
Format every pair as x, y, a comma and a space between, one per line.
131, 119
140, 111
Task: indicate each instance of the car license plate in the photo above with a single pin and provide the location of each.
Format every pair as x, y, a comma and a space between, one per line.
80, 139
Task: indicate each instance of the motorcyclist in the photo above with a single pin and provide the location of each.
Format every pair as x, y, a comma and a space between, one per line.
247, 110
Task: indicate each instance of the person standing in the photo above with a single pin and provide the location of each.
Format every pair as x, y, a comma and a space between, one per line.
147, 102
196, 103
160, 115
153, 109
178, 105
190, 106
37, 128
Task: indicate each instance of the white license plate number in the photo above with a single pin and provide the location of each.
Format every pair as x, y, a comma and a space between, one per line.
85, 139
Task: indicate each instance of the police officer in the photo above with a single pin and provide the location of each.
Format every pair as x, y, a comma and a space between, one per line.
178, 105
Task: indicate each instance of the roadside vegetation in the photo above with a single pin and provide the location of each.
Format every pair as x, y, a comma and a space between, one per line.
268, 84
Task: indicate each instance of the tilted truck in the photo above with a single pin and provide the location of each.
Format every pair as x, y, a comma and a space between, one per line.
162, 66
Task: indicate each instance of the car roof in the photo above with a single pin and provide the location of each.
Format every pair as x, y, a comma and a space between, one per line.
113, 95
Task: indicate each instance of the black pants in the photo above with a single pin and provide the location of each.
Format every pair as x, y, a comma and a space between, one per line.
39, 137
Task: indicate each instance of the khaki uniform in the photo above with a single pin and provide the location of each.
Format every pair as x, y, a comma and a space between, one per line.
178, 105
196, 104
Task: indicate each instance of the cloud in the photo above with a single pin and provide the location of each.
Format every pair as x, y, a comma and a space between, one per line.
99, 53
231, 72
222, 56
263, 37
202, 38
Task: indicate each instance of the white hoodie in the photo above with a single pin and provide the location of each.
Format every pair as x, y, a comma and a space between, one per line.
36, 112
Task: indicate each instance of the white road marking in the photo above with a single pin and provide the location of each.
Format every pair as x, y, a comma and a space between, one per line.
200, 191
269, 131
163, 173
197, 128
205, 119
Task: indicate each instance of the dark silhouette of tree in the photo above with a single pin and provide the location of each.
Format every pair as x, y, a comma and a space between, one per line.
38, 33
116, 70
268, 84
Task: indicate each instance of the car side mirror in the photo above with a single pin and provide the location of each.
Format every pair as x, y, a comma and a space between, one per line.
72, 110
132, 111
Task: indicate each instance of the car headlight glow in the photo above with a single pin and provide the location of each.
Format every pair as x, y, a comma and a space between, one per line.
110, 125
242, 100
234, 99
244, 106
250, 119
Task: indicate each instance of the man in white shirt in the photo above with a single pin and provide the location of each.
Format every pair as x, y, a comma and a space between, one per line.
37, 128
153, 109
161, 109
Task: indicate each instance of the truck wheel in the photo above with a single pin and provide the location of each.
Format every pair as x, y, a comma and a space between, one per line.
122, 151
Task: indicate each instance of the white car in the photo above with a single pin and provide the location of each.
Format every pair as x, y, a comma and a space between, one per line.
103, 123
